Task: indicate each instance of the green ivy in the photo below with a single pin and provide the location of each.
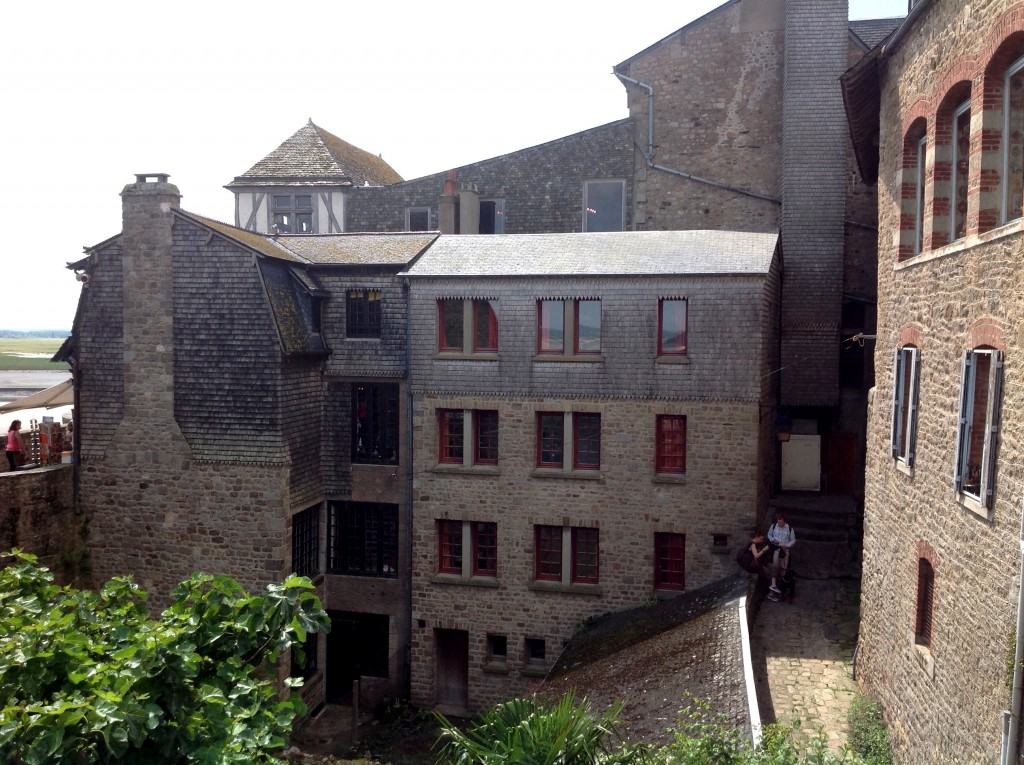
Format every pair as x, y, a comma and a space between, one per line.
90, 677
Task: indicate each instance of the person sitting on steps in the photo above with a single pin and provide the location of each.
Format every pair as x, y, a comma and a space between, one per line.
782, 538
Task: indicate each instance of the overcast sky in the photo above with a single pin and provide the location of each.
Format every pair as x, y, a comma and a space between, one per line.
96, 92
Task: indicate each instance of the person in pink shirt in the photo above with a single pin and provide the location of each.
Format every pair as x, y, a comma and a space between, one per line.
14, 447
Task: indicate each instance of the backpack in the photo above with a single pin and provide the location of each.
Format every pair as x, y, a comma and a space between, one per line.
746, 559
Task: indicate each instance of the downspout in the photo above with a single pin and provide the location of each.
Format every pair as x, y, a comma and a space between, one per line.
1010, 753
408, 486
649, 154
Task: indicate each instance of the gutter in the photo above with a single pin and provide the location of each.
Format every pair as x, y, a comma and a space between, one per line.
649, 153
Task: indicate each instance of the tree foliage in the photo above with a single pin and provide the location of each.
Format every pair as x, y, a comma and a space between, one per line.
90, 677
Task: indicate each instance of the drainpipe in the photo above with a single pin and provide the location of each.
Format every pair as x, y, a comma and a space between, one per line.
408, 486
649, 154
1010, 742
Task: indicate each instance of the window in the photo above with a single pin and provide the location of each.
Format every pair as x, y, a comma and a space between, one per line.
363, 313
576, 319
904, 403
671, 327
492, 216
293, 214
497, 648
1013, 142
456, 324
481, 538
375, 424
604, 205
304, 660
961, 153
449, 555
670, 443
978, 424
306, 542
535, 651
585, 555
577, 545
362, 539
417, 219
581, 436
669, 561
925, 603
453, 447
919, 180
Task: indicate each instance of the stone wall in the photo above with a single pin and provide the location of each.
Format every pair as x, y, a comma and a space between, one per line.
943, 704
37, 515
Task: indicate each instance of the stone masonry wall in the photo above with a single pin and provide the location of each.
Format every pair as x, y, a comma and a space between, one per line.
625, 501
37, 515
942, 706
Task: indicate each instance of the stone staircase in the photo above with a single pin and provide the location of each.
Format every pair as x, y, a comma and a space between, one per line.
829, 531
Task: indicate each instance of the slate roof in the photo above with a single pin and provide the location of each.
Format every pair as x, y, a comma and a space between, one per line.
652, 657
261, 243
314, 157
620, 253
873, 31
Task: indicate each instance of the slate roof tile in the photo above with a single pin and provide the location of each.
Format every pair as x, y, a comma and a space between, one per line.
872, 31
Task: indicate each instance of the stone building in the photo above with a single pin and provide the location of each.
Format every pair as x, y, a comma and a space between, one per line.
587, 419
937, 114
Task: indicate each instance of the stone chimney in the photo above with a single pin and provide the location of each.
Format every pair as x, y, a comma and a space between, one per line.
446, 206
469, 209
147, 254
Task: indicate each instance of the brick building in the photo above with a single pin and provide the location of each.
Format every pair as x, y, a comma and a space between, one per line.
588, 431
937, 115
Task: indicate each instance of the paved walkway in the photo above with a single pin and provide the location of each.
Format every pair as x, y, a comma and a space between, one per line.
803, 655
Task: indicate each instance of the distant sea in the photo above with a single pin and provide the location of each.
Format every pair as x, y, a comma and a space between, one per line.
16, 383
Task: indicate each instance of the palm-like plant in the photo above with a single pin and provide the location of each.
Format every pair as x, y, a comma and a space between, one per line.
528, 732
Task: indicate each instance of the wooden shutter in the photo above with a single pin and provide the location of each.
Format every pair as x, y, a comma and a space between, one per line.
897, 402
963, 412
995, 390
911, 401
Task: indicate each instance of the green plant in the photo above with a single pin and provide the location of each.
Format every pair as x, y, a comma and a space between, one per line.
869, 738
89, 677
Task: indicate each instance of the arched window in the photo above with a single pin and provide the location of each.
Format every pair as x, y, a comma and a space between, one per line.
1013, 142
912, 191
951, 167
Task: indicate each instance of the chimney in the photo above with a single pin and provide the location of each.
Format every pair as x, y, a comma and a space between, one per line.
147, 255
446, 220
469, 209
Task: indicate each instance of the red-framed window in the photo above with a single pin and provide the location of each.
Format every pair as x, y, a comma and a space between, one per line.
672, 327
586, 441
588, 327
485, 327
670, 443
449, 326
550, 326
585, 555
669, 561
548, 553
449, 547
550, 439
486, 437
485, 548
451, 430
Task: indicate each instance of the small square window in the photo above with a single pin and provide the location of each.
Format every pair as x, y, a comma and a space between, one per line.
363, 313
417, 219
536, 652
497, 648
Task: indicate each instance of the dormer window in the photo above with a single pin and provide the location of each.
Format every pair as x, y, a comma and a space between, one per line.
293, 214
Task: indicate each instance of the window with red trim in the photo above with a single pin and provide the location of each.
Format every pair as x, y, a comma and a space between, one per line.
585, 555
486, 438
485, 327
456, 326
451, 432
449, 326
669, 561
550, 326
550, 439
449, 556
671, 327
548, 553
586, 441
485, 548
670, 443
588, 326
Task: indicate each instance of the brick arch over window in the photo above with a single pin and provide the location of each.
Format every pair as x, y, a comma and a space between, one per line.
911, 334
952, 148
913, 202
987, 332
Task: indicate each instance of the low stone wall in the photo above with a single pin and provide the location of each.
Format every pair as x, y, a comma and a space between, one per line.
37, 514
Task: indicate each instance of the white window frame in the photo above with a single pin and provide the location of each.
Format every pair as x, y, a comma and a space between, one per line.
904, 403
964, 108
1004, 212
964, 425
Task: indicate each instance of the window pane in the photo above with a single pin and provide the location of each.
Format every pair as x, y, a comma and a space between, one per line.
375, 423
1014, 144
306, 542
961, 166
584, 555
978, 414
419, 219
303, 223
906, 405
587, 441
450, 322
485, 549
362, 538
283, 221
304, 202
486, 326
487, 437
671, 444
451, 429
550, 326
549, 434
449, 546
604, 205
673, 327
669, 561
282, 203
363, 313
588, 326
549, 552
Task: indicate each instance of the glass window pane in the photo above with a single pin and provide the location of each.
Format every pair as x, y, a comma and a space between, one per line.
550, 435
604, 205
451, 325
588, 326
549, 552
487, 437
673, 327
551, 329
304, 202
1014, 144
451, 427
486, 332
282, 203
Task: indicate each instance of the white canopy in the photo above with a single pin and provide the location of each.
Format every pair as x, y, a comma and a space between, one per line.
59, 395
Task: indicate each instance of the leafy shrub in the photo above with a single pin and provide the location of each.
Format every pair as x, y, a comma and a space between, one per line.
869, 737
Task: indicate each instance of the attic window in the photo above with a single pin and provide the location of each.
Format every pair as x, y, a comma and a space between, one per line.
293, 214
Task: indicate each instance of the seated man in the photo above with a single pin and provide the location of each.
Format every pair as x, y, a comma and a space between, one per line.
782, 538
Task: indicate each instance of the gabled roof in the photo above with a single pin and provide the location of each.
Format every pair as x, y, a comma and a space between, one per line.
645, 253
873, 31
314, 157
260, 243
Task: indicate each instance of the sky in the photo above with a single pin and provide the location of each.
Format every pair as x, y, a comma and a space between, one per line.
97, 92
